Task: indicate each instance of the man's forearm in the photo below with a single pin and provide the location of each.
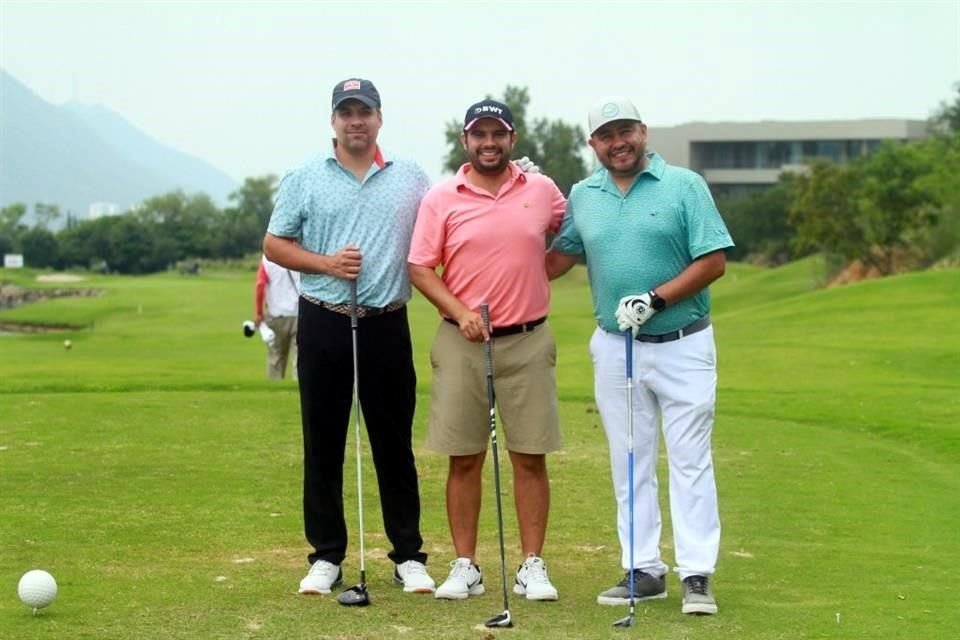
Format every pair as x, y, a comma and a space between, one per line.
288, 253
432, 287
558, 263
698, 275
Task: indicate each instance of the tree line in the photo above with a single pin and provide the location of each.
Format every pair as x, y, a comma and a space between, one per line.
154, 236
897, 207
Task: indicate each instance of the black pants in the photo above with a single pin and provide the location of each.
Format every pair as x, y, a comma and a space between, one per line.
387, 390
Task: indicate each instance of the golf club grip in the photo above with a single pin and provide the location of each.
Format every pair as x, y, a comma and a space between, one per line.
353, 303
485, 316
628, 344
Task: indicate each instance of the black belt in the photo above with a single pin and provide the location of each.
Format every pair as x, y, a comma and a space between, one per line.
693, 327
509, 330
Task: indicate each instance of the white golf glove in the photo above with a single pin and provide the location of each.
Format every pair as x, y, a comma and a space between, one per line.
633, 311
267, 334
527, 165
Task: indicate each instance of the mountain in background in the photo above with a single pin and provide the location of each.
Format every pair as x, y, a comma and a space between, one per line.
76, 155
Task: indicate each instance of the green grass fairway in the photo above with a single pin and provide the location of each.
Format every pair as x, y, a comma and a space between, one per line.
156, 473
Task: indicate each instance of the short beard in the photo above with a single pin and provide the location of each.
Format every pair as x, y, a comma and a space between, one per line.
490, 171
631, 171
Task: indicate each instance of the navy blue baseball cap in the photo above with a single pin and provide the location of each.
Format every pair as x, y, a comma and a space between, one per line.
488, 109
356, 89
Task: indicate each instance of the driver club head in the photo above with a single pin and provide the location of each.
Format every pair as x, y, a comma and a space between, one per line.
357, 596
502, 621
624, 622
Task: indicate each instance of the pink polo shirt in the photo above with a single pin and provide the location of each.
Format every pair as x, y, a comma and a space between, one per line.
491, 247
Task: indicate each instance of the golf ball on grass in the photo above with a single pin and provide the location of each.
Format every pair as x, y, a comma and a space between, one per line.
67, 344
37, 589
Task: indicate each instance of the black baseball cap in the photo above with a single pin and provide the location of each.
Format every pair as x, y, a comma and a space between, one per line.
356, 89
488, 109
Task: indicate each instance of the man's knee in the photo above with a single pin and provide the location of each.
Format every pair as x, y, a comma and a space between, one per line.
466, 466
530, 465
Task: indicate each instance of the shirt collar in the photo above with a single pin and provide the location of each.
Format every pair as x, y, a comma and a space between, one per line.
378, 157
601, 179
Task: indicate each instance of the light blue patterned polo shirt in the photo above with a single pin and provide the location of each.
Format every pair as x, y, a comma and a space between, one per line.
324, 207
636, 241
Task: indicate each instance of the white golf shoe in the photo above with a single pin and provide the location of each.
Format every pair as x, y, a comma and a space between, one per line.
533, 581
464, 580
322, 576
414, 577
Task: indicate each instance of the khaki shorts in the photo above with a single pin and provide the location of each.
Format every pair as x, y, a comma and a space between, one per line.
524, 381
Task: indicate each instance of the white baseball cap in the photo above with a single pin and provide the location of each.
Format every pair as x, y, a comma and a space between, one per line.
610, 109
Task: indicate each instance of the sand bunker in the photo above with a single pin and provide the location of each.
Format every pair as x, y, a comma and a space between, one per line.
60, 277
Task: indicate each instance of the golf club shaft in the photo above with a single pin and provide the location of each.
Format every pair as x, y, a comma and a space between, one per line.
356, 409
628, 341
491, 400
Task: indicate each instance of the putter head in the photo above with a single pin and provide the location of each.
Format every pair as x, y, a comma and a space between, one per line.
357, 596
502, 621
624, 622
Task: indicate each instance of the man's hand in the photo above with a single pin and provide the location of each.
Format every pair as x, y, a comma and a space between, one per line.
527, 165
345, 263
633, 311
471, 326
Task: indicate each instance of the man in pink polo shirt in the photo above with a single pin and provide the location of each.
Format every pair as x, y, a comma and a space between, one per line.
486, 227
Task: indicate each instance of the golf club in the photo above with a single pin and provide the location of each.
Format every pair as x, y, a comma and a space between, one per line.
628, 339
356, 596
503, 619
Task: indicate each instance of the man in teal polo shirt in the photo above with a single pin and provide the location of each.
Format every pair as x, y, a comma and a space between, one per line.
653, 241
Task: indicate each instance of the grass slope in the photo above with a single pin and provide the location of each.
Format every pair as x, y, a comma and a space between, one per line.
156, 473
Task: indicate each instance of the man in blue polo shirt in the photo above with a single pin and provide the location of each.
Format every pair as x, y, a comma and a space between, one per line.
345, 216
653, 241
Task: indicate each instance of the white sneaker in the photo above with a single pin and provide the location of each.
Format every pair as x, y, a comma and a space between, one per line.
414, 577
532, 580
464, 580
321, 577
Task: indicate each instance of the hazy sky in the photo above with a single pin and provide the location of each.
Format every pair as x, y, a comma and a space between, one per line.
246, 85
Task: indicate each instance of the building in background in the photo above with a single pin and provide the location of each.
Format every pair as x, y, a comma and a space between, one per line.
744, 157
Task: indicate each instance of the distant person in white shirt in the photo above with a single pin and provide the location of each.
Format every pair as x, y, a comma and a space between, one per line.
280, 289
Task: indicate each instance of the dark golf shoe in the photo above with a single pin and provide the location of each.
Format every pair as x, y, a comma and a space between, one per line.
645, 587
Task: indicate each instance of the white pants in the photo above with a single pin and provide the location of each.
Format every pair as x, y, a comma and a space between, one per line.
676, 380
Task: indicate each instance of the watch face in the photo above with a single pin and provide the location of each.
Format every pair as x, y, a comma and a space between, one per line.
659, 303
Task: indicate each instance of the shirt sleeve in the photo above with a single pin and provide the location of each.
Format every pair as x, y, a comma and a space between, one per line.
286, 221
568, 239
260, 289
422, 184
706, 231
429, 233
558, 205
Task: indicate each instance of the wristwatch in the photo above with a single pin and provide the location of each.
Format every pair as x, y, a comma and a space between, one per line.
658, 303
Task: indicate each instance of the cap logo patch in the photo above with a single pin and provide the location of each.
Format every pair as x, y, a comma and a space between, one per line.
488, 109
610, 109
351, 85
